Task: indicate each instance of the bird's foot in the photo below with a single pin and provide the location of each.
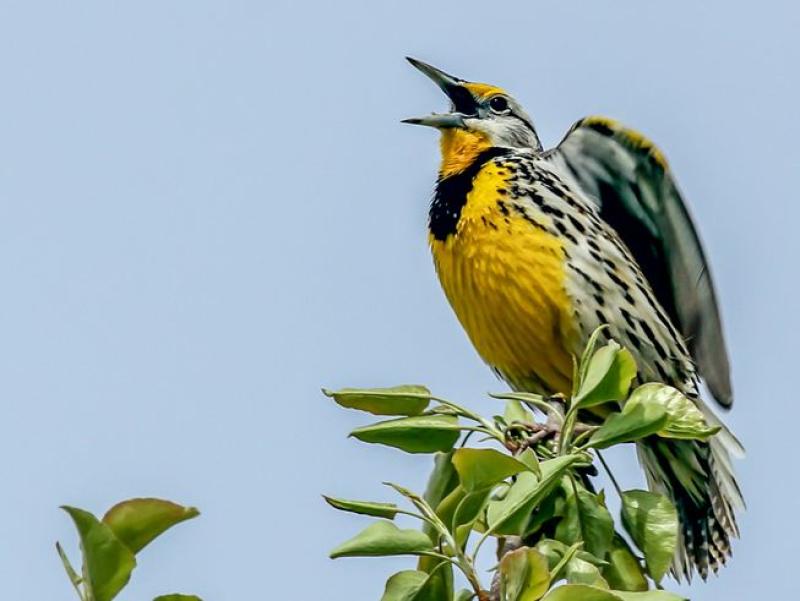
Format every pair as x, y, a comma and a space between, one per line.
521, 436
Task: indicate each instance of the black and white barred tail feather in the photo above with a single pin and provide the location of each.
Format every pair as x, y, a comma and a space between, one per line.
698, 478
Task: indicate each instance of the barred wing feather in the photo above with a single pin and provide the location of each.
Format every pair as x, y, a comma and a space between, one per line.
631, 182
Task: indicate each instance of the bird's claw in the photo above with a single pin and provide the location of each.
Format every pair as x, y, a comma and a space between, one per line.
535, 432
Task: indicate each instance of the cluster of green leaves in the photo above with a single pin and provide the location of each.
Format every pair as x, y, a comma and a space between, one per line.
109, 546
535, 491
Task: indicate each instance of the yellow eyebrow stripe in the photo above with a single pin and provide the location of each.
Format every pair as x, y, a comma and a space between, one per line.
482, 91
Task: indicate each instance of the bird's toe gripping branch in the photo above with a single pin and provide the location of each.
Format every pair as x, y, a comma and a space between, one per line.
522, 435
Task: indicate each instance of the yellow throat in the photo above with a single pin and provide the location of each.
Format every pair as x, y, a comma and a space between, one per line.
459, 149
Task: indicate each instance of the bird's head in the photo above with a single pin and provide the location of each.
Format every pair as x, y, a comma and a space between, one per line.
481, 116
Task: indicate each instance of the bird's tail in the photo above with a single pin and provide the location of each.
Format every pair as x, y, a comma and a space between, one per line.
698, 478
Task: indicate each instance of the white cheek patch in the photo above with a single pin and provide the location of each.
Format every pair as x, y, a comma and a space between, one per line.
505, 131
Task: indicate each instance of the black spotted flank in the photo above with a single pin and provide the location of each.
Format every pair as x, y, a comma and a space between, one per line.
577, 224
551, 210
562, 229
451, 195
524, 214
618, 280
599, 299
587, 278
648, 331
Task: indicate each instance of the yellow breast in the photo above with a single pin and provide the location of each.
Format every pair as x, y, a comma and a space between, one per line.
505, 280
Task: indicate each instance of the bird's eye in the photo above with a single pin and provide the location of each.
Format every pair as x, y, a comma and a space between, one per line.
499, 104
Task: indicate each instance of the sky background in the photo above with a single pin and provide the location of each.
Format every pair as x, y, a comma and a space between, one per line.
208, 210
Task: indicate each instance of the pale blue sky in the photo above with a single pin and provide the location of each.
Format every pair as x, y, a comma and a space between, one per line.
209, 209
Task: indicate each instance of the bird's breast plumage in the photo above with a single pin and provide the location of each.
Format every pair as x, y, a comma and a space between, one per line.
531, 270
504, 272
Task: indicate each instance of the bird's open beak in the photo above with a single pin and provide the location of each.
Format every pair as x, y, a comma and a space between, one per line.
463, 102
448, 120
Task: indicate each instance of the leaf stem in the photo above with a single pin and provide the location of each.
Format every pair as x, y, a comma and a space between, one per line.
464, 412
583, 436
610, 473
566, 430
419, 516
547, 409
440, 556
73, 576
480, 542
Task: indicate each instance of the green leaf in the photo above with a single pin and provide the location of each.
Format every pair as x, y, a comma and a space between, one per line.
509, 510
137, 522
442, 480
517, 412
437, 530
578, 567
566, 556
419, 502
652, 522
510, 514
586, 520
440, 580
419, 434
481, 468
459, 510
550, 509
529, 458
403, 586
685, 420
526, 398
640, 417
410, 585
607, 376
465, 595
73, 576
397, 400
580, 571
437, 586
623, 571
470, 507
380, 510
447, 508
107, 563
524, 575
581, 592
553, 550
384, 538
588, 353
468, 510
649, 596
177, 597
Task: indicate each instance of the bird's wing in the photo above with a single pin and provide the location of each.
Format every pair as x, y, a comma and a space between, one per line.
631, 182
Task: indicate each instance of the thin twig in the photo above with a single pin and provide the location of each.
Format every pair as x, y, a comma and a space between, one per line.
610, 474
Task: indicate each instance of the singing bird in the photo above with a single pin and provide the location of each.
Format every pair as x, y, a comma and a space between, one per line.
537, 248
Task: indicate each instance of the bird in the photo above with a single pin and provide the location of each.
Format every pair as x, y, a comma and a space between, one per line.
535, 249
